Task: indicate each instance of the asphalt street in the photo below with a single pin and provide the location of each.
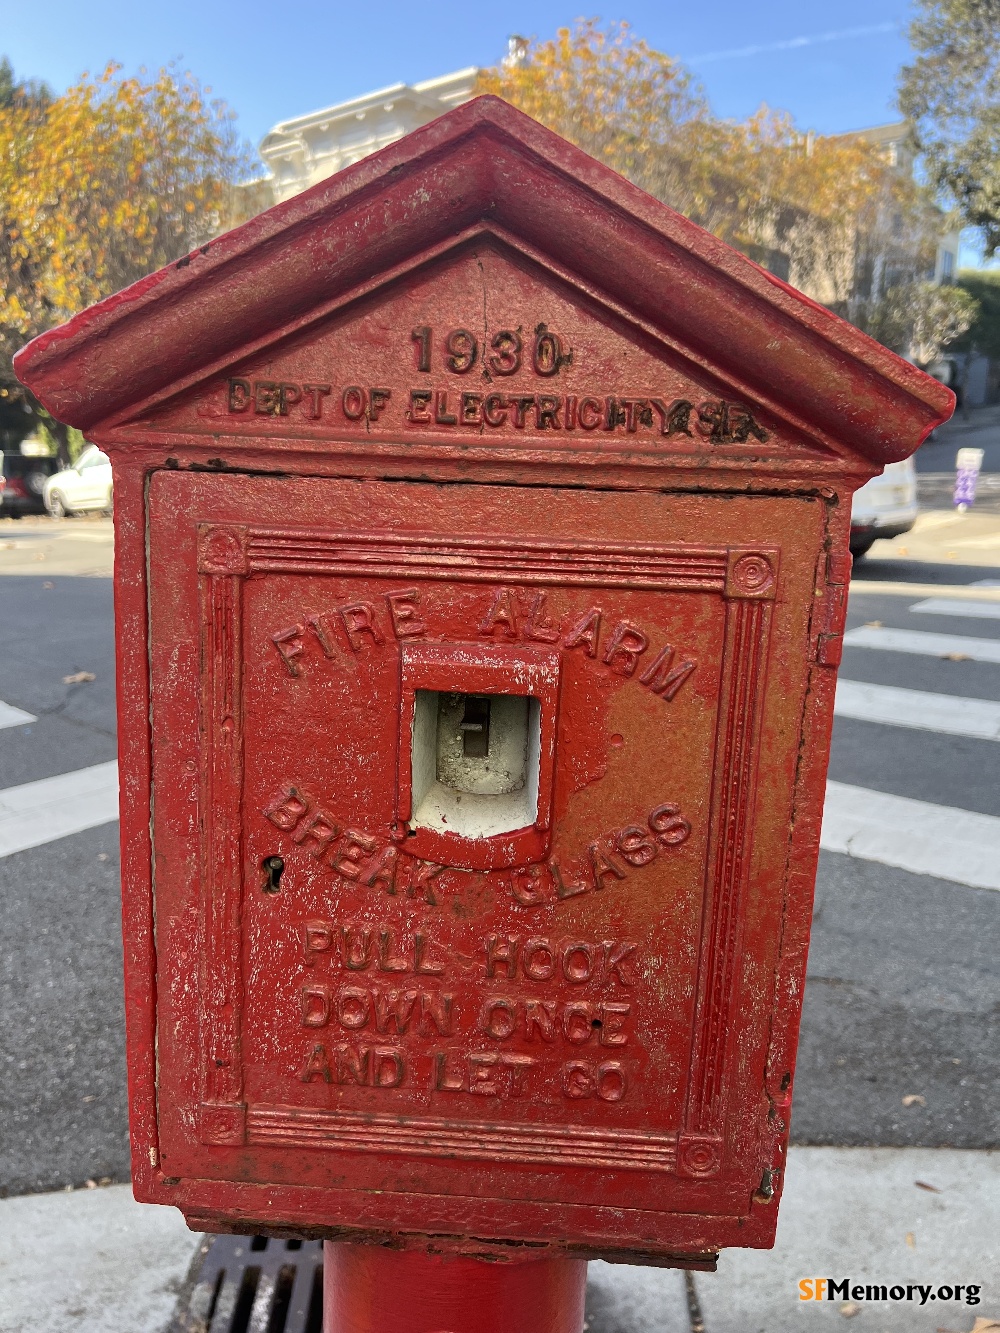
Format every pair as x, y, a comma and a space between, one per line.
903, 993
62, 1086
898, 1041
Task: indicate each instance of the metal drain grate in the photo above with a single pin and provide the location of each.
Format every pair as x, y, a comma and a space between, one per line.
251, 1284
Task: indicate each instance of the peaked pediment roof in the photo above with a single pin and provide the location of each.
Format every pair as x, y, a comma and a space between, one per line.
484, 165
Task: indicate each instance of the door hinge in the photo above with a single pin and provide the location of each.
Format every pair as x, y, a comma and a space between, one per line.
830, 639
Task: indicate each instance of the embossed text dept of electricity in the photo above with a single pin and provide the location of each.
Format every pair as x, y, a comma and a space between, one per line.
505, 353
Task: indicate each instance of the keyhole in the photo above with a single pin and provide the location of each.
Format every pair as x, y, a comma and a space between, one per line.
475, 727
274, 868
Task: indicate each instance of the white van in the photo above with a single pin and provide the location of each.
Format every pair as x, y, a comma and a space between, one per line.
884, 507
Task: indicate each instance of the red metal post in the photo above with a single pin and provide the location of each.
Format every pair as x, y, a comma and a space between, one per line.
368, 1289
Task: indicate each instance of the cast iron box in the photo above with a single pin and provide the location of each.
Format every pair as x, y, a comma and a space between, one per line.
482, 558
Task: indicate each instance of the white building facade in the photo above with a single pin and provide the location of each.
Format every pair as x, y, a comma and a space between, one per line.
300, 152
896, 141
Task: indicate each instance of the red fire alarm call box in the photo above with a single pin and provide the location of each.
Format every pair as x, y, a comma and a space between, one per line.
482, 557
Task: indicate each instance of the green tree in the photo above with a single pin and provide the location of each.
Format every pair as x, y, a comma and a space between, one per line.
983, 334
14, 90
920, 319
951, 95
7, 82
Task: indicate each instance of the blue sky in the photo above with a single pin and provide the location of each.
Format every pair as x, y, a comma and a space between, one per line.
832, 66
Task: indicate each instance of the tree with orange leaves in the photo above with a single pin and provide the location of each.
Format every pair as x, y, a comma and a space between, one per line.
830, 214
624, 103
101, 186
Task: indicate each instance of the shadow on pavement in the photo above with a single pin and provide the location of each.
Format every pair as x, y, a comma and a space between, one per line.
871, 569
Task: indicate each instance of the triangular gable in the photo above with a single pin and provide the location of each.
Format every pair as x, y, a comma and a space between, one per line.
485, 167
377, 369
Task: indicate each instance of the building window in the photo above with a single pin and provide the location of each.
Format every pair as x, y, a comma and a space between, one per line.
947, 265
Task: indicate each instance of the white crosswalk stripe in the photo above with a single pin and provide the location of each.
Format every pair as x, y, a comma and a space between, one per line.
14, 717
919, 709
915, 836
951, 844
948, 843
928, 645
52, 808
926, 839
953, 606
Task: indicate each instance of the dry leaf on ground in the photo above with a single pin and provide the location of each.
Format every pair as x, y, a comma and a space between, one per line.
914, 1099
923, 1185
849, 1309
911, 1241
985, 1326
78, 678
873, 624
955, 657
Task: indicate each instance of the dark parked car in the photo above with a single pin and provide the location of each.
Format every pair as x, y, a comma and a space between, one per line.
24, 483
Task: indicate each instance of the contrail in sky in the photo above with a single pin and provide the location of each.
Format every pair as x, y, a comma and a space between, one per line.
792, 43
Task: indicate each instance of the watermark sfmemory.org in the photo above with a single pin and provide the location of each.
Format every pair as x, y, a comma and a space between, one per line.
845, 1288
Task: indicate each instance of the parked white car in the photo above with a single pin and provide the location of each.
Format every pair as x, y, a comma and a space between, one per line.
87, 485
884, 506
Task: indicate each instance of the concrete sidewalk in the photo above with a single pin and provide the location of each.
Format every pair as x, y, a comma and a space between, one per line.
52, 548
969, 542
94, 1261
